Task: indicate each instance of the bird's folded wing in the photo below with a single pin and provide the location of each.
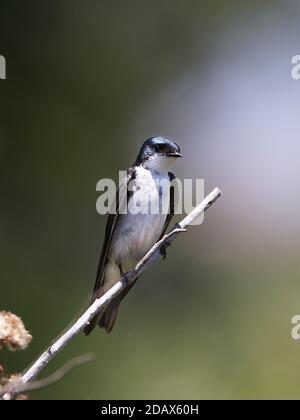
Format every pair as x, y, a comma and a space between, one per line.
119, 206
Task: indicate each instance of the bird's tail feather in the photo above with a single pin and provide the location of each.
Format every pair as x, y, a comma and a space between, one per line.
107, 318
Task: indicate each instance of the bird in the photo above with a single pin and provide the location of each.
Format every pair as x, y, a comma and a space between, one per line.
130, 235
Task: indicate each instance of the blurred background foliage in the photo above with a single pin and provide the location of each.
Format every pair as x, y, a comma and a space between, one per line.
87, 82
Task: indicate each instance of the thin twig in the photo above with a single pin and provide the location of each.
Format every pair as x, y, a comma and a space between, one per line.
17, 385
99, 304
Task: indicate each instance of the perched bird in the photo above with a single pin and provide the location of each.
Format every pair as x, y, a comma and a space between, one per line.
128, 237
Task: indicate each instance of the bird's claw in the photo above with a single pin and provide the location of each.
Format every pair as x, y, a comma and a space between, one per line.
125, 279
124, 276
163, 250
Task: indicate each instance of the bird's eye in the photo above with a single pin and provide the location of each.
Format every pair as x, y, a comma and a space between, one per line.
161, 148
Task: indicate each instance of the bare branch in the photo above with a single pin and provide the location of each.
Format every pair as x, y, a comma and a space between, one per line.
17, 385
150, 258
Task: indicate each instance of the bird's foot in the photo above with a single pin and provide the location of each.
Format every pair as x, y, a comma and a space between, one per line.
163, 249
124, 278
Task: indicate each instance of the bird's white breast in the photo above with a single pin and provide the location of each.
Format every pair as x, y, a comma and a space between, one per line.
135, 234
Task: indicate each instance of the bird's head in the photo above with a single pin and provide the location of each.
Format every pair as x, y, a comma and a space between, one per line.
158, 153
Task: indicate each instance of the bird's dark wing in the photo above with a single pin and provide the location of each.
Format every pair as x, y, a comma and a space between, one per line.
171, 205
121, 196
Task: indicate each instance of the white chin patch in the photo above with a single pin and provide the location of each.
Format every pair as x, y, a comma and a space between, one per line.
159, 163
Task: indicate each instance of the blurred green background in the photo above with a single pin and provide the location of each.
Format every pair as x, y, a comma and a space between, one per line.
87, 82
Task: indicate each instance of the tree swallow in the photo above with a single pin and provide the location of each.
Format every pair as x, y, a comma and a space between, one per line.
128, 237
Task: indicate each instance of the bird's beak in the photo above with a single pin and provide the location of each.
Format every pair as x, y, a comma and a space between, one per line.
174, 154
